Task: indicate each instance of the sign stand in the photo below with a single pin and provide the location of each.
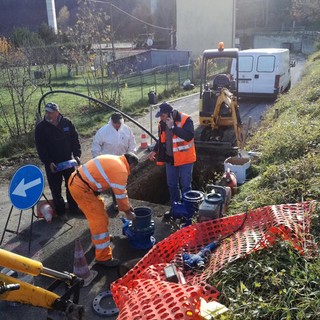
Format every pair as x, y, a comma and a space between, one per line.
25, 190
18, 226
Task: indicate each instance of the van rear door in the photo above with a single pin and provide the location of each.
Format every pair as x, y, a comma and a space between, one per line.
246, 73
265, 74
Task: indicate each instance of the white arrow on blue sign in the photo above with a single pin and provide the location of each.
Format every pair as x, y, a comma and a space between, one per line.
26, 187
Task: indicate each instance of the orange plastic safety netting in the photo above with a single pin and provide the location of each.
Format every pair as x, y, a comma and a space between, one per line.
144, 293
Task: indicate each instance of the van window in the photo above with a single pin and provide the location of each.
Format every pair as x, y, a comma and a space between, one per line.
245, 63
266, 63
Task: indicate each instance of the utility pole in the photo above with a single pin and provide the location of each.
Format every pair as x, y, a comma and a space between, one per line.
171, 37
114, 52
112, 34
267, 13
52, 18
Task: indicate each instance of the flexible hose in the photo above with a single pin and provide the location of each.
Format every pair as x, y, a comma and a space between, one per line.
97, 101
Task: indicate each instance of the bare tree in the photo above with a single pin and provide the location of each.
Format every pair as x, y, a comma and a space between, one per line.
63, 18
91, 28
17, 89
306, 11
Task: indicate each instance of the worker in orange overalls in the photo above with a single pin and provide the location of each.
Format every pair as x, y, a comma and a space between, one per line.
86, 184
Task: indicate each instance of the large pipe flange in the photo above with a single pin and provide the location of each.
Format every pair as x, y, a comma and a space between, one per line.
104, 312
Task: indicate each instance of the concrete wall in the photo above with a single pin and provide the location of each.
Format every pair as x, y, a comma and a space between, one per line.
148, 60
303, 43
203, 24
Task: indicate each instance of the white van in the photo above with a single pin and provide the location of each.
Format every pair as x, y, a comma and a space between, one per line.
264, 72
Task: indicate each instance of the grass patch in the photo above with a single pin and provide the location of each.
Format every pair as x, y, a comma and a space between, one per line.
18, 146
278, 283
289, 168
271, 284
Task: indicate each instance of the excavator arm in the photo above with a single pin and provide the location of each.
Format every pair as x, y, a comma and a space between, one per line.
15, 290
225, 117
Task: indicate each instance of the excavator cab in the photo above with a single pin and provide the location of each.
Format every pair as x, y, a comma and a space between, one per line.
219, 118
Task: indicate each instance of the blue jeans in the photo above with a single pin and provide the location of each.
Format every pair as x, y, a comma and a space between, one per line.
177, 177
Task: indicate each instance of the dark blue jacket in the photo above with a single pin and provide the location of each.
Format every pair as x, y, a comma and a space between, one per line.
57, 143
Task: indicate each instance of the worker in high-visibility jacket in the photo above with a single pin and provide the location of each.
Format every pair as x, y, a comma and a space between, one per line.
175, 149
88, 182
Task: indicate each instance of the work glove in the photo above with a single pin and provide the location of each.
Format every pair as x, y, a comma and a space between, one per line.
78, 160
169, 122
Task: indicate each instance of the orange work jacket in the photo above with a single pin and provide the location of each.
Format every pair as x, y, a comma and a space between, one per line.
108, 171
183, 151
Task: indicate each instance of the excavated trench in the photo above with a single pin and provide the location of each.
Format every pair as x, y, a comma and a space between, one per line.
147, 182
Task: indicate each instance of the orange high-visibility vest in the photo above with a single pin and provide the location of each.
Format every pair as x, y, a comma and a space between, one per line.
183, 151
108, 171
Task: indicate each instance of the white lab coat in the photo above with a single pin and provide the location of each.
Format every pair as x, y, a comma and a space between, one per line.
108, 140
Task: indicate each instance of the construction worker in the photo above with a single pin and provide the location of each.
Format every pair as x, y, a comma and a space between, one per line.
113, 138
88, 182
175, 148
57, 140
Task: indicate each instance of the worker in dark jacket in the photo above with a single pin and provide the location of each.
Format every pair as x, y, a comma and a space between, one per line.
57, 141
175, 149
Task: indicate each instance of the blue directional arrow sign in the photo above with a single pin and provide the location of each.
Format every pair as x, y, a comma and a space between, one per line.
26, 187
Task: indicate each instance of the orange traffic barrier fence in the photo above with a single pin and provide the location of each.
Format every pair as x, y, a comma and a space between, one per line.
144, 293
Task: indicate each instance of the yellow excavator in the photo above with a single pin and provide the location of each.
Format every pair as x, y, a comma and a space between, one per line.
219, 117
14, 290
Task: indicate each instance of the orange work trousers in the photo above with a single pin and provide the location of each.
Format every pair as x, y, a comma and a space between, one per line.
93, 208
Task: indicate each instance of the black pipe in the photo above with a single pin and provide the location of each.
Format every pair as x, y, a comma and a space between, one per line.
97, 101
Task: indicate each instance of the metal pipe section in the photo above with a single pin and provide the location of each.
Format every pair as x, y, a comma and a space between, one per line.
97, 101
56, 274
26, 265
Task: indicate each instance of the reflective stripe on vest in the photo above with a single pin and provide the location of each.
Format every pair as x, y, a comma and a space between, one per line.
183, 147
120, 196
102, 172
104, 245
178, 143
183, 151
100, 236
104, 175
90, 178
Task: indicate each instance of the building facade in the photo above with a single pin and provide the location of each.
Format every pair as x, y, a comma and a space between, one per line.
203, 24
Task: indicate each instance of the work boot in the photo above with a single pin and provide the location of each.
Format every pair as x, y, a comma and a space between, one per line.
111, 263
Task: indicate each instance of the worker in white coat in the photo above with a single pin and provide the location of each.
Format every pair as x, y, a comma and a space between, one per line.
114, 138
